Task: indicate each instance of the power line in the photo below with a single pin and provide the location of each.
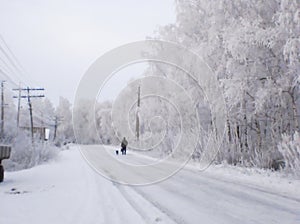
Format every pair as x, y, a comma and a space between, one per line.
9, 59
15, 68
16, 65
6, 65
8, 77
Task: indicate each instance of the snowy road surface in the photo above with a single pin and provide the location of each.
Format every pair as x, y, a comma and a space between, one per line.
69, 191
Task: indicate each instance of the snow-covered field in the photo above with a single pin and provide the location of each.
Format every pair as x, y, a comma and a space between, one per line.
68, 190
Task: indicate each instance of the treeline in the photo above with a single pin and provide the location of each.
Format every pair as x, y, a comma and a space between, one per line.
253, 48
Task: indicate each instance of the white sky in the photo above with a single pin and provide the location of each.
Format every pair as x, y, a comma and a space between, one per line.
57, 40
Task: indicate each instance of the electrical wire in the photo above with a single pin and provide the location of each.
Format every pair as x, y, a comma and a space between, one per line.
15, 63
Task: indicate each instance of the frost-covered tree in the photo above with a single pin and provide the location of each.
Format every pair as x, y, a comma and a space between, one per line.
253, 48
63, 122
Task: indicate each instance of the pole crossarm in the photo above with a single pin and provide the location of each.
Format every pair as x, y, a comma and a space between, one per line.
30, 89
29, 96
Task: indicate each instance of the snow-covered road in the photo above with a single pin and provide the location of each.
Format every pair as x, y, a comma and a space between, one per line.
69, 191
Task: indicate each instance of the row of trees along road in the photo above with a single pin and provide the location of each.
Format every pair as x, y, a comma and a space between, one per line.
253, 47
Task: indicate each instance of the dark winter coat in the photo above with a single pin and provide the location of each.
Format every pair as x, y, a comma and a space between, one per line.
124, 143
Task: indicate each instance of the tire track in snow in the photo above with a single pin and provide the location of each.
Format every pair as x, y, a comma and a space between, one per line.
84, 209
107, 210
267, 199
209, 198
162, 214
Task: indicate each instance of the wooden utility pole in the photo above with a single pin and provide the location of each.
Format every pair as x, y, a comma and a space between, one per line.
137, 114
19, 107
55, 128
57, 121
2, 109
28, 97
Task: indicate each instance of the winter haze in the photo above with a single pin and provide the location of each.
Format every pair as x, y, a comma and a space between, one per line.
205, 128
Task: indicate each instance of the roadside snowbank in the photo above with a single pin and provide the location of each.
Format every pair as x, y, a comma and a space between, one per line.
65, 190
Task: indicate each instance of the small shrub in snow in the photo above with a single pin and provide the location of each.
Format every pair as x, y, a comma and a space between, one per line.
24, 155
290, 150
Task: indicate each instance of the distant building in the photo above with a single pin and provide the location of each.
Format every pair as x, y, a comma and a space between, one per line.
41, 132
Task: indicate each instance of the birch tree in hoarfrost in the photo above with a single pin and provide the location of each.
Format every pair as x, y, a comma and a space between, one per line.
253, 48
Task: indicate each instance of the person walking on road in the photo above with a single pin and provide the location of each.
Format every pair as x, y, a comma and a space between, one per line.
124, 146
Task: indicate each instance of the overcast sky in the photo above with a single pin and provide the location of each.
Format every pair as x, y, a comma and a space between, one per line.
57, 40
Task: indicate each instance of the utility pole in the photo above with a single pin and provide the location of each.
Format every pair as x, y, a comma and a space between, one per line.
30, 112
28, 97
57, 121
55, 127
19, 107
2, 109
137, 114
3, 105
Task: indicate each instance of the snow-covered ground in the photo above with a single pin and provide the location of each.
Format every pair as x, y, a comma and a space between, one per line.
68, 190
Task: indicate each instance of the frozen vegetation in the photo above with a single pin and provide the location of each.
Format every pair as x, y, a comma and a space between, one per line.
253, 49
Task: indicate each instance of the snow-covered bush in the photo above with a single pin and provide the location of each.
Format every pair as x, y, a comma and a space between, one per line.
290, 150
24, 156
